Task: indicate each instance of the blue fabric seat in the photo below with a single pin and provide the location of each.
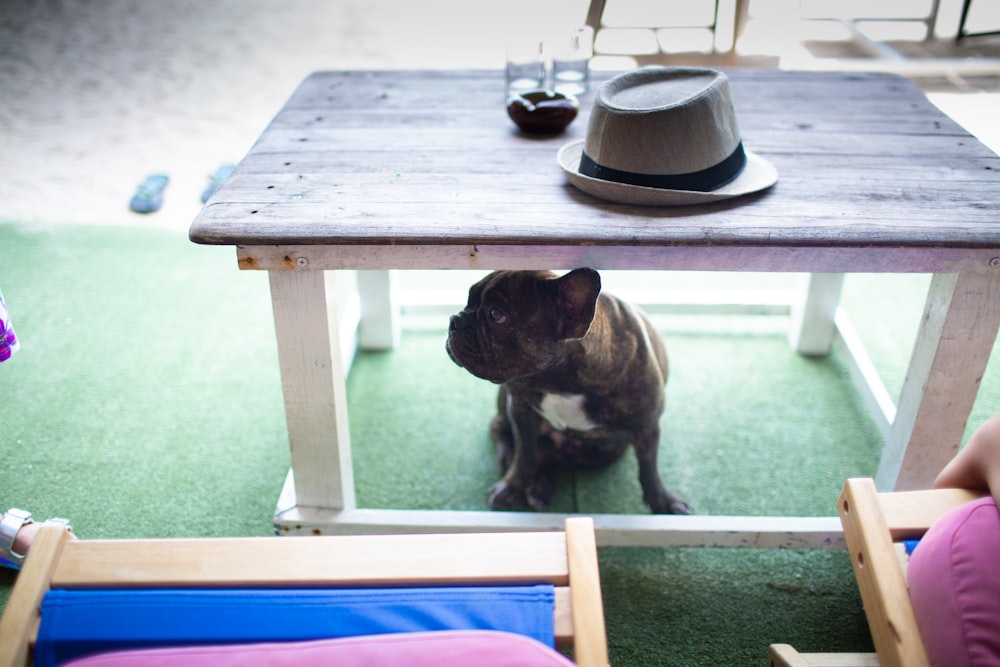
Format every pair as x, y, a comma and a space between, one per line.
77, 623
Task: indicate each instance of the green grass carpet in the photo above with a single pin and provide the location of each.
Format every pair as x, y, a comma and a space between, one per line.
146, 402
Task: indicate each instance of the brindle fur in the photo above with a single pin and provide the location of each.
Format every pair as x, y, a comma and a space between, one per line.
563, 336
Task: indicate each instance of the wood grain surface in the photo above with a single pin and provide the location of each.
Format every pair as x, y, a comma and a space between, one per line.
430, 158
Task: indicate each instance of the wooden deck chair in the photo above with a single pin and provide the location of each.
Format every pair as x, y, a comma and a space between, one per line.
875, 525
567, 560
740, 17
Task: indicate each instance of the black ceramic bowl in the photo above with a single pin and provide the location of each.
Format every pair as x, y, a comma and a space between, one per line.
542, 111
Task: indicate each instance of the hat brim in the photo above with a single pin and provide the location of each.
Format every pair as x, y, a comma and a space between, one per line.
757, 175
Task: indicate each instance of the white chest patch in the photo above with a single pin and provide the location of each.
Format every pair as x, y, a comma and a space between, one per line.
565, 412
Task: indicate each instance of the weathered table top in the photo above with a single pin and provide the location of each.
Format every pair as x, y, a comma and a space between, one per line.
430, 158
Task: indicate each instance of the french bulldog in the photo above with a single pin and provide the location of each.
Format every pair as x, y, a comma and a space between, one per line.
581, 377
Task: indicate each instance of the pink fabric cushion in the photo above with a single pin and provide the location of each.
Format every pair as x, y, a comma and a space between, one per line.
447, 648
954, 578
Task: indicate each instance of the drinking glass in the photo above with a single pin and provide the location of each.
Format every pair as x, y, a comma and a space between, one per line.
526, 68
571, 61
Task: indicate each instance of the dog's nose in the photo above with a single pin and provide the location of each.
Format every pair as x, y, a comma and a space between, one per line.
461, 320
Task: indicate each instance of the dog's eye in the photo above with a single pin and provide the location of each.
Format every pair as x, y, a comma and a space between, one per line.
497, 316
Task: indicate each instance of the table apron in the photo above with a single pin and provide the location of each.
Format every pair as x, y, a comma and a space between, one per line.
899, 259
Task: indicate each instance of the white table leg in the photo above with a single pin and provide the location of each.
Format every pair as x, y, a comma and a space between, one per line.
953, 345
380, 327
812, 327
312, 379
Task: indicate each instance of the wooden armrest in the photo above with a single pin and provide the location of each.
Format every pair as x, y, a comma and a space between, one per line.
873, 523
19, 623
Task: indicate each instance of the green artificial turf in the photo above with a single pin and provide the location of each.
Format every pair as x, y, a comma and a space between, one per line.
146, 402
723, 443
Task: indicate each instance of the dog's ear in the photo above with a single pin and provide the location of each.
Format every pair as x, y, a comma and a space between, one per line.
576, 297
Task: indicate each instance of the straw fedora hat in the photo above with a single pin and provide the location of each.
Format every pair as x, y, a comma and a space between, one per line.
664, 136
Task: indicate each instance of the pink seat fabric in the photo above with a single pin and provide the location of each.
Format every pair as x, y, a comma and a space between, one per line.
954, 579
449, 648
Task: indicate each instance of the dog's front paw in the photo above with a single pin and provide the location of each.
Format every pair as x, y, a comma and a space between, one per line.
668, 503
505, 497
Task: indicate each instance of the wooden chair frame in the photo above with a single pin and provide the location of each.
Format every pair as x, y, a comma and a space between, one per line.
595, 14
785, 655
566, 559
875, 524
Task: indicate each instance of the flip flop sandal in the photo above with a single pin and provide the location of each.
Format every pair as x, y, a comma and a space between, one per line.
220, 176
149, 196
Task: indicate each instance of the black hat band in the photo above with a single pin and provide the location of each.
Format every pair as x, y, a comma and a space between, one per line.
705, 180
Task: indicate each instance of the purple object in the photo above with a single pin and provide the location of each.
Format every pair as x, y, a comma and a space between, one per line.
8, 339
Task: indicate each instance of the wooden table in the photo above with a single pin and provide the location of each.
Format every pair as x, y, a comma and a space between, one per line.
423, 170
